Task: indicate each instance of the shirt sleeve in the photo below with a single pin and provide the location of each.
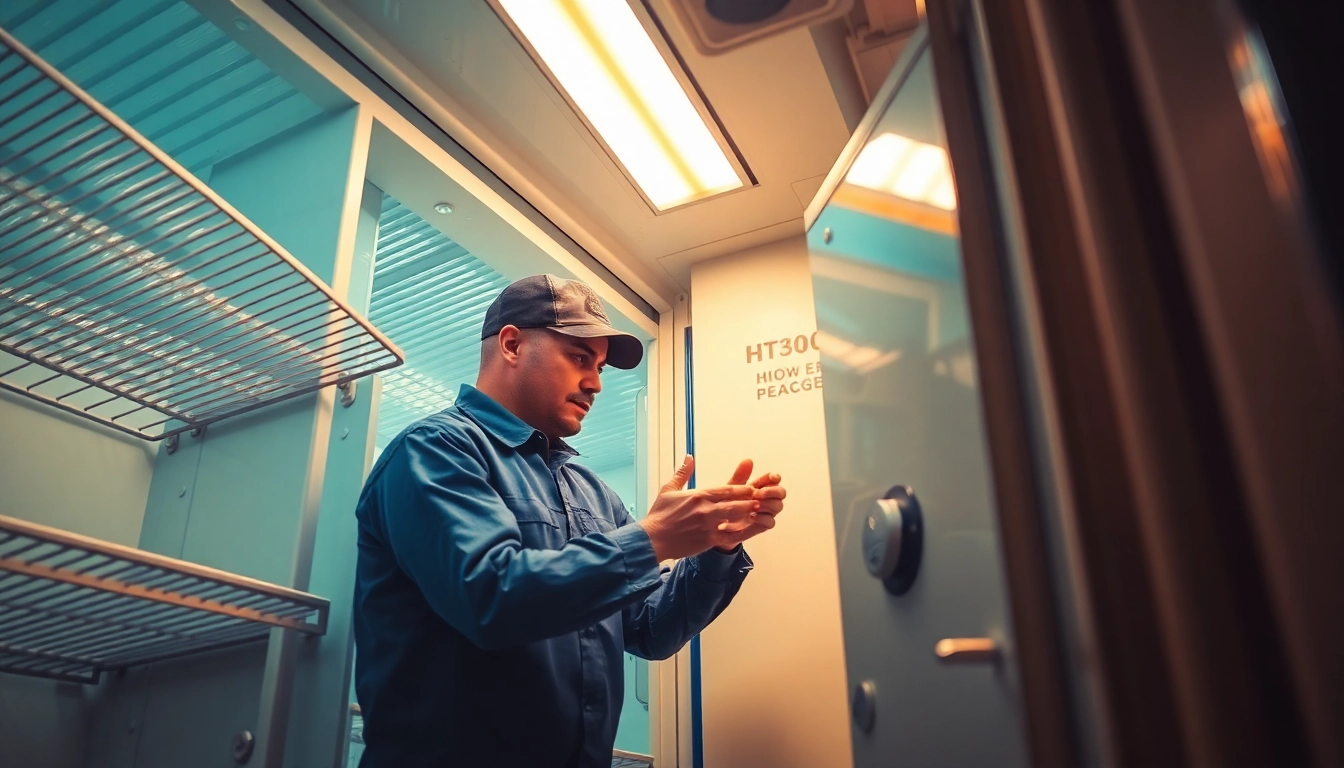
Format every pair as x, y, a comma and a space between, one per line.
693, 592
451, 533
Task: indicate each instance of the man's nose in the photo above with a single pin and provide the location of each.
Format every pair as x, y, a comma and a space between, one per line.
592, 384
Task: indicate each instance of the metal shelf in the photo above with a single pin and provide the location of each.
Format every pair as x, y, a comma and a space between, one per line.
132, 294
73, 607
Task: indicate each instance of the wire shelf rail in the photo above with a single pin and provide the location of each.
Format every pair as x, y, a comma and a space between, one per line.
73, 607
133, 295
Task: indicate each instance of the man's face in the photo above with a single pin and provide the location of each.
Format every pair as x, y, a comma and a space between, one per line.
560, 377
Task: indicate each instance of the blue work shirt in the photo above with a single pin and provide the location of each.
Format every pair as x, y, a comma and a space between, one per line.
498, 585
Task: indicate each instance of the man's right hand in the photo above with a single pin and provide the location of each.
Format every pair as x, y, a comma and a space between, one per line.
683, 523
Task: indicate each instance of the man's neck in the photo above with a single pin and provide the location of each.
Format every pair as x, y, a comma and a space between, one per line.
491, 389
504, 396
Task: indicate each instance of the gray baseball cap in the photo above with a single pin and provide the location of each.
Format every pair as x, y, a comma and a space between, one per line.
566, 306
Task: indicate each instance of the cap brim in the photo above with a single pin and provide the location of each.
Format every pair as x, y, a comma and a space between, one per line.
623, 350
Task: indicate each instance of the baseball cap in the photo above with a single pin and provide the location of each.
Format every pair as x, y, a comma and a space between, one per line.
566, 306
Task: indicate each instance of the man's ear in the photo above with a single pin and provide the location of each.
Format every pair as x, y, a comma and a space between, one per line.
510, 342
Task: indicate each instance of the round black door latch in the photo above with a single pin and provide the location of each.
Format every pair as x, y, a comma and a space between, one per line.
893, 539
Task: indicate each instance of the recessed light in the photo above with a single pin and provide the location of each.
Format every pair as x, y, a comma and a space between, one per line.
444, 208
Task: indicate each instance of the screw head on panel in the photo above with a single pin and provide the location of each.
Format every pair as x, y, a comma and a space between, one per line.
863, 705
826, 234
242, 745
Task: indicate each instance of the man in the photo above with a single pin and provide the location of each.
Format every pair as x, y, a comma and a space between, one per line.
499, 583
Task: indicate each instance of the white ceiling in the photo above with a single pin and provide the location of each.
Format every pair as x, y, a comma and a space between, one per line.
777, 100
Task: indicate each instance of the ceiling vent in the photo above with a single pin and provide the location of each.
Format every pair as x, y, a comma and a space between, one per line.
718, 26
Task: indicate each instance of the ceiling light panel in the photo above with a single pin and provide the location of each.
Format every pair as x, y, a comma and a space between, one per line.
603, 59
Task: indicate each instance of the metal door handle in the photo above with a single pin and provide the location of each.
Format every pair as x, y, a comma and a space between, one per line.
642, 682
955, 650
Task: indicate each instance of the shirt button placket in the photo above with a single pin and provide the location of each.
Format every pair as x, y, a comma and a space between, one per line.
559, 475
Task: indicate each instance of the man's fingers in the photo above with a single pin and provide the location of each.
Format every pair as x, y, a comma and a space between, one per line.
735, 510
743, 472
770, 492
681, 476
730, 493
730, 537
768, 479
771, 506
757, 523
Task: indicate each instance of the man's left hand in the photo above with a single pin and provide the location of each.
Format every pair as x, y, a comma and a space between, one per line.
769, 493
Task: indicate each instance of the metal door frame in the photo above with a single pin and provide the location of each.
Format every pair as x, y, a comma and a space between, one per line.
1015, 395
1163, 399
1022, 453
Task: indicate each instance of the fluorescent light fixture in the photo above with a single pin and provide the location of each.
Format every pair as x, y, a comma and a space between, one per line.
603, 58
905, 168
860, 359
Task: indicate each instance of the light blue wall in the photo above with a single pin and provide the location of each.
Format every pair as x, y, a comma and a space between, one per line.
622, 481
236, 497
65, 472
319, 717
246, 488
633, 733
182, 82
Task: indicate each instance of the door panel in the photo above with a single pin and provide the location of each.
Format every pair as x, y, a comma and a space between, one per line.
903, 410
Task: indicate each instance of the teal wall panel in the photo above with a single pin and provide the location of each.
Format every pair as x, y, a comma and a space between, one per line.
233, 498
189, 710
161, 66
249, 492
248, 480
41, 722
170, 494
68, 473
294, 187
632, 734
319, 716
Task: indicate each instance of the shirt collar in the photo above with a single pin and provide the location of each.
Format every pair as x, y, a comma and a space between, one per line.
500, 421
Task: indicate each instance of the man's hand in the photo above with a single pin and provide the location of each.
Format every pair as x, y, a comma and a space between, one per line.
771, 495
682, 523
